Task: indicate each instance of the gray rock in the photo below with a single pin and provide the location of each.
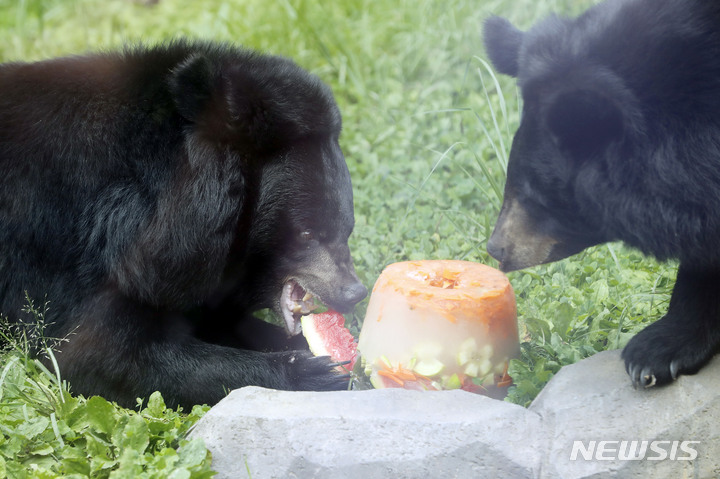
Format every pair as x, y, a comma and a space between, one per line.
593, 401
262, 433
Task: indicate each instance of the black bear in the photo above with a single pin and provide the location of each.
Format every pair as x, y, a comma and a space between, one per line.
620, 140
155, 197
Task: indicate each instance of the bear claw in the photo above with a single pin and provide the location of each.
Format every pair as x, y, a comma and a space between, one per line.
674, 369
641, 377
648, 379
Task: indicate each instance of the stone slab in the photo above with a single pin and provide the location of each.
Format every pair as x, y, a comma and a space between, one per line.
263, 433
593, 400
368, 434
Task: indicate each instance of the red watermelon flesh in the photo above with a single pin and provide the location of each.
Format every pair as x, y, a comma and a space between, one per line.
327, 335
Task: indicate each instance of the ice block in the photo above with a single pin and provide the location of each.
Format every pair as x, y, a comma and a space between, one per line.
440, 324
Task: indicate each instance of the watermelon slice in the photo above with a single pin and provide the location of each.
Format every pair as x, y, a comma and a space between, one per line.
327, 335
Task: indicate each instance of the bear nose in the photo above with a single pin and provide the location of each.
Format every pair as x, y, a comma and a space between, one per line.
495, 249
354, 293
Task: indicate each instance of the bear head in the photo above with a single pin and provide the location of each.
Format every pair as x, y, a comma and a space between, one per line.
282, 126
577, 115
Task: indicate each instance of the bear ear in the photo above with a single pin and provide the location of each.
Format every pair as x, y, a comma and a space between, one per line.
249, 107
502, 43
191, 84
584, 122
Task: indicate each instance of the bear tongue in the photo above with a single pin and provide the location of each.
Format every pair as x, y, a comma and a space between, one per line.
295, 302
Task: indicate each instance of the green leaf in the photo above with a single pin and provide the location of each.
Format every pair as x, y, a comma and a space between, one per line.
165, 459
74, 461
156, 405
100, 451
42, 450
564, 316
16, 470
179, 474
101, 414
67, 406
192, 453
134, 435
33, 427
131, 466
602, 290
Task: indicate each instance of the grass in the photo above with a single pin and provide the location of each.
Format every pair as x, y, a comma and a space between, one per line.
427, 129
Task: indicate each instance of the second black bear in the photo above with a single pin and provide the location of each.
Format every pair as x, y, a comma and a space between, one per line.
620, 140
157, 196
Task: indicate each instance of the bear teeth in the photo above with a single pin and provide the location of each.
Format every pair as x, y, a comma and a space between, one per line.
295, 301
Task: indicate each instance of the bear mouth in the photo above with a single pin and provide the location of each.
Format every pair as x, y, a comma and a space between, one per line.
295, 301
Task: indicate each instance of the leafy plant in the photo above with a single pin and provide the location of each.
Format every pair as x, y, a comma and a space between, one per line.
47, 432
572, 309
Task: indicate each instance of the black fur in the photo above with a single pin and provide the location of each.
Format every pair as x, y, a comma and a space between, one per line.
156, 197
620, 140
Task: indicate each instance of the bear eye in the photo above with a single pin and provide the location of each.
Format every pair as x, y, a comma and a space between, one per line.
307, 235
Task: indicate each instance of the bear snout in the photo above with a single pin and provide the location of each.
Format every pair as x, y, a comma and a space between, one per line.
517, 243
352, 294
496, 249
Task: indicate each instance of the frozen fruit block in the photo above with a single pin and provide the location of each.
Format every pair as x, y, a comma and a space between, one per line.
440, 324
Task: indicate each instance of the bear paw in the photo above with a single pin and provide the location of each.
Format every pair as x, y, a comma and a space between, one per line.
664, 350
306, 372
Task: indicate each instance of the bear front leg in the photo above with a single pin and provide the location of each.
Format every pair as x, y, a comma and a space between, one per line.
685, 339
122, 350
